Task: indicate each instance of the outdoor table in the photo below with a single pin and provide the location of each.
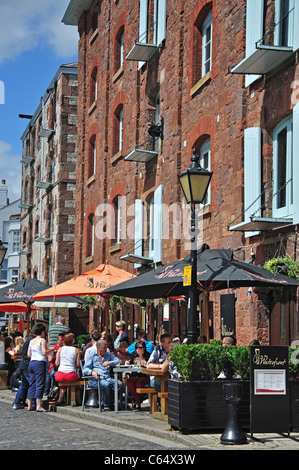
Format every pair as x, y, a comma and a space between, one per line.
123, 369
163, 377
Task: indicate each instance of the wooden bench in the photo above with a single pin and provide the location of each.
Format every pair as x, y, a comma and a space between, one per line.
3, 379
164, 403
71, 390
152, 396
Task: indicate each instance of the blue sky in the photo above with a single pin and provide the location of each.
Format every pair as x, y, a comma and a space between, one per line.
33, 44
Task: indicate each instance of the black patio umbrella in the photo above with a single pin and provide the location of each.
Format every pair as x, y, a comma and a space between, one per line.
217, 269
24, 290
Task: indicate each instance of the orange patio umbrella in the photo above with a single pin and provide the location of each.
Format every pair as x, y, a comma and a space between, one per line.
92, 282
17, 307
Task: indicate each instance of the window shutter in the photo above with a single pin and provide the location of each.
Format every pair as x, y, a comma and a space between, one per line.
296, 164
158, 196
161, 31
252, 173
138, 230
254, 31
142, 25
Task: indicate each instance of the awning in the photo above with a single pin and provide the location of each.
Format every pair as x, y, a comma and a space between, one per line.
140, 155
142, 51
132, 258
261, 224
263, 60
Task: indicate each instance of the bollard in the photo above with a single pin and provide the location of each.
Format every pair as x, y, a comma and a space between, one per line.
233, 433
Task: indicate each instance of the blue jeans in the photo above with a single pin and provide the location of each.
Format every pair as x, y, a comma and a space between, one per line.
37, 377
107, 389
21, 394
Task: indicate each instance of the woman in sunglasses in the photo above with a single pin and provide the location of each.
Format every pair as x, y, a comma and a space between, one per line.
137, 380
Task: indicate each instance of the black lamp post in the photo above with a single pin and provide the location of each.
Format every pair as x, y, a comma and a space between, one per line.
194, 182
3, 250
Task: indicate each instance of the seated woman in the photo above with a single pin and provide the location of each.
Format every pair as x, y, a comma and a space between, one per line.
138, 380
67, 360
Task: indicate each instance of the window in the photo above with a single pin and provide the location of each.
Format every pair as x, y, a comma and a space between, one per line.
15, 275
92, 156
283, 169
118, 219
119, 49
202, 36
284, 19
26, 193
118, 131
207, 45
15, 241
93, 87
90, 236
205, 163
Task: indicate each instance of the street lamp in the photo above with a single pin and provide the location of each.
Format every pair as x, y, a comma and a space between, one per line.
3, 250
194, 182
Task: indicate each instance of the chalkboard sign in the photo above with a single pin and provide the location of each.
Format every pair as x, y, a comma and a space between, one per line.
227, 310
269, 389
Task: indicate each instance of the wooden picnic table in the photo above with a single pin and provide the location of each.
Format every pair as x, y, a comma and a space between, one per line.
163, 394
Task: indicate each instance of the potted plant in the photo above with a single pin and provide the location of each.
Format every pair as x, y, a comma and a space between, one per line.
196, 402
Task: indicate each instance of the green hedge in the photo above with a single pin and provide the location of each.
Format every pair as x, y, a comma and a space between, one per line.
206, 362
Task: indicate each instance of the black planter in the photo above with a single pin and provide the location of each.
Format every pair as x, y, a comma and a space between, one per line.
200, 405
294, 403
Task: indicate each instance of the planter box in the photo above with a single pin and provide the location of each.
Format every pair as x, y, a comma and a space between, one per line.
294, 403
200, 405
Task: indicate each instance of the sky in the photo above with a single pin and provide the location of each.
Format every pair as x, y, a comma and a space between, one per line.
33, 44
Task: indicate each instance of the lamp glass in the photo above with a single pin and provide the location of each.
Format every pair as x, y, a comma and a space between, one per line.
195, 184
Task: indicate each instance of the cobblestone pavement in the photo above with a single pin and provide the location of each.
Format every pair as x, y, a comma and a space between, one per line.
25, 430
127, 431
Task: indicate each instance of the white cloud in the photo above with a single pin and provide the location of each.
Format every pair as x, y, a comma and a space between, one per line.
26, 24
10, 170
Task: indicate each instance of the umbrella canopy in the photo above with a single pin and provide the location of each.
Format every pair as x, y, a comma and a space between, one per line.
17, 307
92, 282
216, 270
24, 291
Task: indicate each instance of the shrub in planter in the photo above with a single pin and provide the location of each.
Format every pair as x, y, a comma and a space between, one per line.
206, 362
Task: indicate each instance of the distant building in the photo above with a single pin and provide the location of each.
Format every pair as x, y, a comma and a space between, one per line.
10, 235
49, 182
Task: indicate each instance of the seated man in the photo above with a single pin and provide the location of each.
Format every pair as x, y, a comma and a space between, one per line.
158, 357
98, 363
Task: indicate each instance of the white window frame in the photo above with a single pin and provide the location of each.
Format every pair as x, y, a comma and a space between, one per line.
207, 44
15, 238
92, 235
122, 49
120, 130
94, 144
287, 209
290, 22
205, 153
119, 217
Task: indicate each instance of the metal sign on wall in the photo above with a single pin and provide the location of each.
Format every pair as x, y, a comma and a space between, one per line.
269, 389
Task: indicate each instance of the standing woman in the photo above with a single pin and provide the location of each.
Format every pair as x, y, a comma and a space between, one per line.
67, 360
37, 351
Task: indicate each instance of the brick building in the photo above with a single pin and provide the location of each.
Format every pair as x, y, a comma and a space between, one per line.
157, 79
49, 146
